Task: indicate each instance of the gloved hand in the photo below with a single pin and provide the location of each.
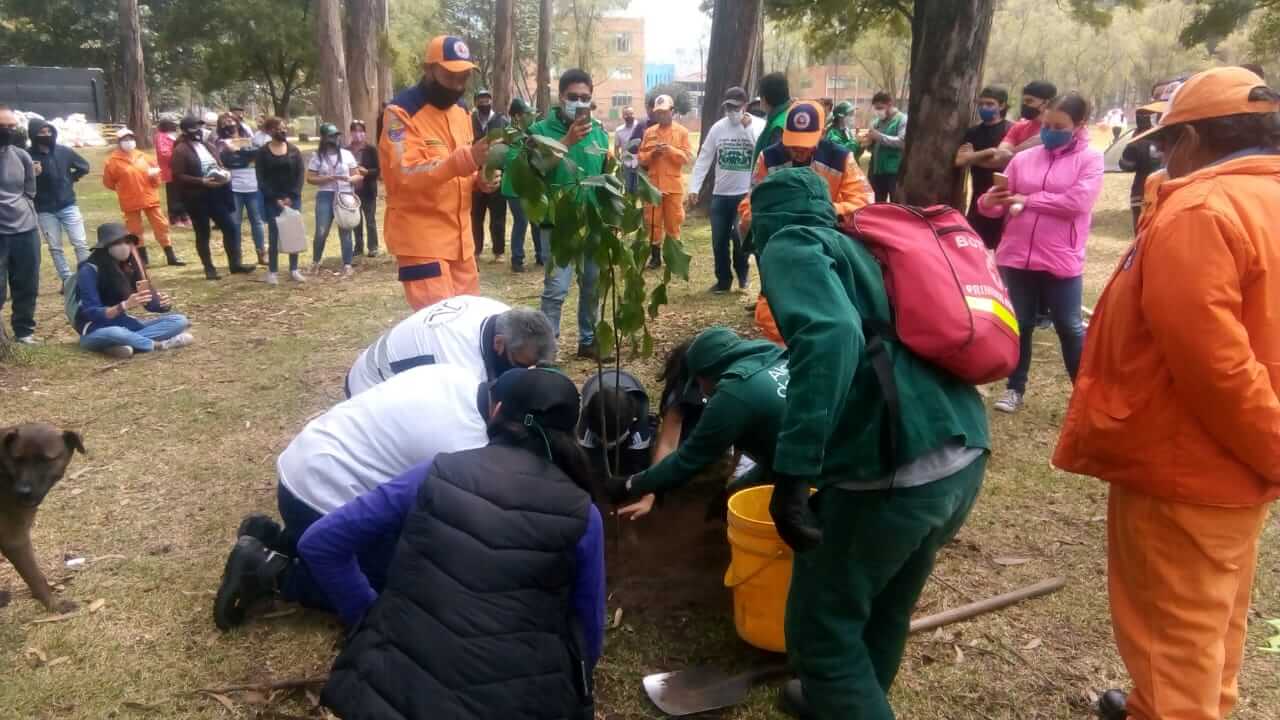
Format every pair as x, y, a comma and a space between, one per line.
789, 509
618, 488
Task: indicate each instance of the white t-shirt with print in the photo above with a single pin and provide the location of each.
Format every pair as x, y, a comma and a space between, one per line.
341, 165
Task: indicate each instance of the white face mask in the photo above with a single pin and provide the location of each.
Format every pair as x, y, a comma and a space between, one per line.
883, 114
128, 145
571, 107
119, 252
735, 116
848, 122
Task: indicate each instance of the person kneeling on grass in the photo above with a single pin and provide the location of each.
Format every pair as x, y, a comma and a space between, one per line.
355, 447
108, 287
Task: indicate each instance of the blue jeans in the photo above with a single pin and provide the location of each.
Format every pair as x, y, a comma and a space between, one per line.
1032, 289
324, 220
519, 224
252, 202
298, 584
725, 240
144, 340
273, 234
53, 224
20, 272
555, 288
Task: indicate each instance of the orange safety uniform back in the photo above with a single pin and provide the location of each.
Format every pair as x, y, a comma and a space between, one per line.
425, 161
666, 169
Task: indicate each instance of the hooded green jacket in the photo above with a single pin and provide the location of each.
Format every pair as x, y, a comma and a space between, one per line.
588, 154
773, 127
744, 412
824, 289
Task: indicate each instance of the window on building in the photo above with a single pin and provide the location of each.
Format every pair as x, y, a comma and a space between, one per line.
620, 100
622, 43
620, 73
839, 83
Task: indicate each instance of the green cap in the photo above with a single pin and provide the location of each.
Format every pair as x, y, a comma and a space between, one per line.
708, 348
842, 109
328, 129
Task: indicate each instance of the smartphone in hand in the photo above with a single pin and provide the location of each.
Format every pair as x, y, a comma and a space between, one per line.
144, 286
582, 115
1000, 181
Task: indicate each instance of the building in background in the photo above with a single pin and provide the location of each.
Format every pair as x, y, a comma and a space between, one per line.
620, 74
656, 74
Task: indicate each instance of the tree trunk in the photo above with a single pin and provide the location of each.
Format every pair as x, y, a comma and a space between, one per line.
948, 49
545, 18
382, 16
735, 45
335, 102
362, 61
138, 116
503, 55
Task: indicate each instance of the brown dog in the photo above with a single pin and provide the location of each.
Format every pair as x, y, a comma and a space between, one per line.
33, 458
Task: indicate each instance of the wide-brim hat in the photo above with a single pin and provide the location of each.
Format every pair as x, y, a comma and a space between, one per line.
111, 233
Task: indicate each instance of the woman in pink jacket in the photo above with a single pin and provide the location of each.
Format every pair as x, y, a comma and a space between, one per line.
1048, 207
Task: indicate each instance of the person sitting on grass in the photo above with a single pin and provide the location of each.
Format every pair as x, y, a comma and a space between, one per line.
355, 447
616, 419
109, 284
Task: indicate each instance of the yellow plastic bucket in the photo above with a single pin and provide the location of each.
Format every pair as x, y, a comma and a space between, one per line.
759, 570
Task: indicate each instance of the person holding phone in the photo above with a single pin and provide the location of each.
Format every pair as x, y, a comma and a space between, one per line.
664, 154
110, 283
206, 195
280, 175
135, 179
335, 170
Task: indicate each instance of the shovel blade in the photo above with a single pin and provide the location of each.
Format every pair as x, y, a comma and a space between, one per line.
700, 690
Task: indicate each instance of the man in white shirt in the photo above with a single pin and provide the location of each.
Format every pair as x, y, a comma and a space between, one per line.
481, 335
729, 145
622, 148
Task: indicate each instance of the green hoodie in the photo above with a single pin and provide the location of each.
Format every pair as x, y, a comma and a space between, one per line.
823, 288
744, 411
589, 163
773, 127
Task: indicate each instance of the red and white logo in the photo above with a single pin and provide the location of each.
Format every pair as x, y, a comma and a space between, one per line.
461, 50
802, 120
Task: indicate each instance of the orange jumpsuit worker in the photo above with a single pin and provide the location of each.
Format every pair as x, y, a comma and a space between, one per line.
1177, 402
803, 145
135, 179
430, 168
664, 153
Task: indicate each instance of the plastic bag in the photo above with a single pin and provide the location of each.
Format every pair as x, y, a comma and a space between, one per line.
293, 233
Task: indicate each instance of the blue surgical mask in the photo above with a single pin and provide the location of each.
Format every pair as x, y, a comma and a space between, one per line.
1054, 139
571, 107
988, 114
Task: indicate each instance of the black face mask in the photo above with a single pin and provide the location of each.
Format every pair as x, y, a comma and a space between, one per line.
193, 134
279, 136
44, 140
6, 136
484, 109
442, 97
226, 131
1030, 113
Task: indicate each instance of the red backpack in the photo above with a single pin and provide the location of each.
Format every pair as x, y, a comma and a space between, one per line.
949, 304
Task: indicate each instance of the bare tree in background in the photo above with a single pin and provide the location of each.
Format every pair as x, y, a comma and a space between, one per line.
735, 46
546, 16
382, 17
138, 115
335, 99
503, 55
362, 60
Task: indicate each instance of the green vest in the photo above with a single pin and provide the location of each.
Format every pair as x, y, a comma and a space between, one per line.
588, 162
887, 160
772, 133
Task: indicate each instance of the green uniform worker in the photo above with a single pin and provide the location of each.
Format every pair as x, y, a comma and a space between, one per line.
744, 410
839, 132
883, 508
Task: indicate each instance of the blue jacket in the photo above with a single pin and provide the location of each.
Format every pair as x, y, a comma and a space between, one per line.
61, 169
93, 305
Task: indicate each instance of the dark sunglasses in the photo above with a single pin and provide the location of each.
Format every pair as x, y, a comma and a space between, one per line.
578, 97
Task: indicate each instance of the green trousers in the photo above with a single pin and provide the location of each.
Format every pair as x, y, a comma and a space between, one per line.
849, 611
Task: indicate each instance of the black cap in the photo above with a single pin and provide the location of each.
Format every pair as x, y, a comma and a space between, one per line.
735, 96
189, 122
547, 397
112, 233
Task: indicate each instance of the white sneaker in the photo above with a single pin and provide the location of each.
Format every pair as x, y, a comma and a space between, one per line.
273, 279
297, 276
119, 352
348, 272
27, 340
1010, 402
175, 342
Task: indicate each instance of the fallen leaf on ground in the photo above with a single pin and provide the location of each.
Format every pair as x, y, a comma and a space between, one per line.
1011, 561
617, 619
96, 605
58, 661
959, 654
1035, 643
279, 613
55, 618
36, 656
224, 701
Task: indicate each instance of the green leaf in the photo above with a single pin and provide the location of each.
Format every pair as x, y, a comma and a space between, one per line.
604, 337
645, 189
535, 209
496, 135
549, 144
657, 299
647, 348
675, 258
569, 166
526, 184
495, 160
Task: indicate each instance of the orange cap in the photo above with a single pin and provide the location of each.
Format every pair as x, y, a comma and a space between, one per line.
805, 122
449, 52
1214, 93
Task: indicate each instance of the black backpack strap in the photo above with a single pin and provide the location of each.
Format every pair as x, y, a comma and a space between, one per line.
882, 365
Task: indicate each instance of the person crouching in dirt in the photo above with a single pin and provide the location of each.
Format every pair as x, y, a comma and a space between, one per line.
746, 383
494, 602
110, 283
615, 421
355, 447
865, 543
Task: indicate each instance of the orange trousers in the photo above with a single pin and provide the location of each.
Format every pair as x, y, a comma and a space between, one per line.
427, 281
665, 220
159, 224
1179, 578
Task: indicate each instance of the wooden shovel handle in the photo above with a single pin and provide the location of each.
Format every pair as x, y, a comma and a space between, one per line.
982, 607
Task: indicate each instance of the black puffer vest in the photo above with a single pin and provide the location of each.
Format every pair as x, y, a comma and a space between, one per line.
476, 619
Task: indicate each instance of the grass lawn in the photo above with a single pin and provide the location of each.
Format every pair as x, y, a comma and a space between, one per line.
182, 445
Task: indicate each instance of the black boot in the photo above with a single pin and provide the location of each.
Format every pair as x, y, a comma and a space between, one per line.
791, 701
171, 257
234, 261
655, 257
261, 527
250, 577
1112, 705
142, 253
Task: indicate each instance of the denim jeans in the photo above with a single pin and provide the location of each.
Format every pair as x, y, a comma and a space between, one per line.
273, 210
144, 340
519, 226
52, 225
726, 241
368, 225
555, 288
324, 220
1032, 289
20, 272
251, 202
